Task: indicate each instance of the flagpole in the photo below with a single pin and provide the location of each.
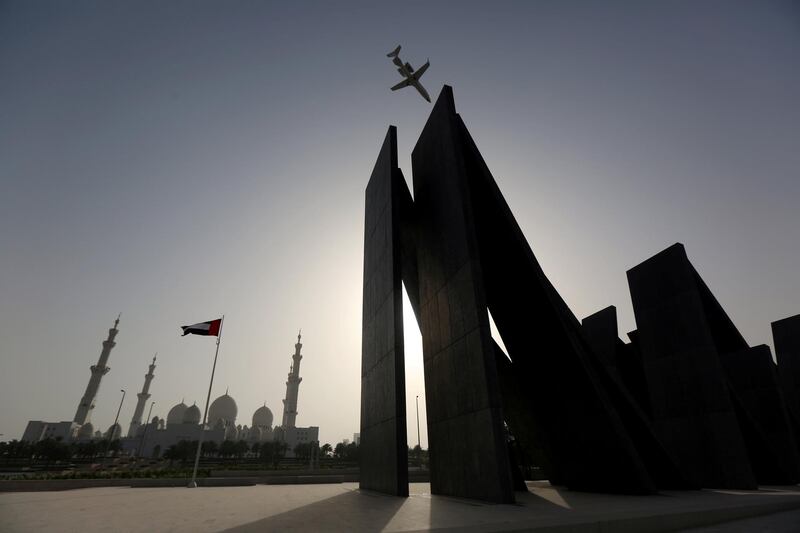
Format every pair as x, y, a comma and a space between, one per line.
193, 482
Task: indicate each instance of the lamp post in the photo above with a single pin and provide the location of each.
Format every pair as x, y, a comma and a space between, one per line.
111, 430
419, 445
144, 434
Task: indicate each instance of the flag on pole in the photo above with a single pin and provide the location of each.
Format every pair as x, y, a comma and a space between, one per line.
203, 328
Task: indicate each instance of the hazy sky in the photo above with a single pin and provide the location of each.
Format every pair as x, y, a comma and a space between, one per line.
180, 160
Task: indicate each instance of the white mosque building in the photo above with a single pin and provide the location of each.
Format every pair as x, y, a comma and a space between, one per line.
183, 422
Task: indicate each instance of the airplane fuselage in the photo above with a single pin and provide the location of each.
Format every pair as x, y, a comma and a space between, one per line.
411, 77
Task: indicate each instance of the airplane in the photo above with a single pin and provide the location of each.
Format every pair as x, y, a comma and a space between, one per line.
407, 71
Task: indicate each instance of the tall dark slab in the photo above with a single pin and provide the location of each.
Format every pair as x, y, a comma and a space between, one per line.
786, 336
631, 369
593, 434
383, 448
680, 335
623, 361
771, 443
600, 330
468, 450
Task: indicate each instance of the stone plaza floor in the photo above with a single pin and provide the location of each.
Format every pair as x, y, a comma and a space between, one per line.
342, 507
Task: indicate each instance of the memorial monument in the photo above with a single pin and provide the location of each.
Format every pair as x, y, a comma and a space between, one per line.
686, 404
461, 254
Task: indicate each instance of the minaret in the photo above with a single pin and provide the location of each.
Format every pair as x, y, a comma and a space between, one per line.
84, 412
143, 397
292, 387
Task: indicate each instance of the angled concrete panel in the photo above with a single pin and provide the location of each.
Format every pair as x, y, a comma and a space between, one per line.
468, 450
593, 434
786, 337
772, 448
692, 410
758, 402
383, 449
631, 369
600, 331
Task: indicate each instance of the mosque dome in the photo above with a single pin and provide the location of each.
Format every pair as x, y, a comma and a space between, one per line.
191, 415
262, 417
175, 415
223, 408
114, 432
86, 431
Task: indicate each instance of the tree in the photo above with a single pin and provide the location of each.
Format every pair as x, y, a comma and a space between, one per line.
303, 450
352, 453
272, 452
326, 450
114, 446
416, 453
182, 451
240, 448
339, 451
209, 447
17, 449
227, 449
346, 452
87, 449
52, 450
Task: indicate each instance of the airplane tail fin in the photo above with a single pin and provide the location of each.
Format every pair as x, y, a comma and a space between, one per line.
394, 52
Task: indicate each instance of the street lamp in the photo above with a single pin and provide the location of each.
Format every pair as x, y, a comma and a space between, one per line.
113, 427
144, 435
419, 445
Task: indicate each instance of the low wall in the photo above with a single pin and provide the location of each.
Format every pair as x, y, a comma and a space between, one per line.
33, 485
218, 478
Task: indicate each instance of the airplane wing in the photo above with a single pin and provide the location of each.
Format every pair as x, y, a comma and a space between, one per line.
405, 83
418, 74
418, 86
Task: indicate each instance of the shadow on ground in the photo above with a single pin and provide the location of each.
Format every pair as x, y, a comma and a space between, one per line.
351, 511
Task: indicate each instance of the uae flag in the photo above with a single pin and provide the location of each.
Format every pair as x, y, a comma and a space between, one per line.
203, 328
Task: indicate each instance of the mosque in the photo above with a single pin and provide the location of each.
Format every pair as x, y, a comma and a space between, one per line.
183, 422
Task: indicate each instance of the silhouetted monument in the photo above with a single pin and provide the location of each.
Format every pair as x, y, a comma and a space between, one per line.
461, 254
686, 404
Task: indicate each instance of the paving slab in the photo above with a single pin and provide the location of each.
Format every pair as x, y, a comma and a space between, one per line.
788, 522
342, 507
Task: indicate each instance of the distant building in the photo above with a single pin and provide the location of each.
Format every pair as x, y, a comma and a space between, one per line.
184, 423
288, 432
153, 438
86, 405
142, 400
37, 430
